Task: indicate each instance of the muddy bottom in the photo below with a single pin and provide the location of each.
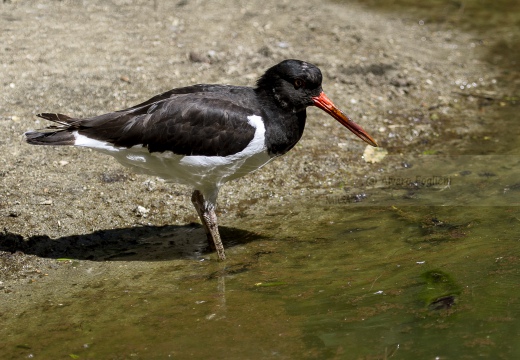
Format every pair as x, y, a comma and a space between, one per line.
357, 280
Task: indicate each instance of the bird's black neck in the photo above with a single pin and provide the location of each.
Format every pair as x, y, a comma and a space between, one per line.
283, 126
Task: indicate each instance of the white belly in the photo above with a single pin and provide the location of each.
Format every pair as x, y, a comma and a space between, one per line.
197, 171
200, 172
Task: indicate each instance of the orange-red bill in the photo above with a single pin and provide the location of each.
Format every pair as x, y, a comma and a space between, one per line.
324, 103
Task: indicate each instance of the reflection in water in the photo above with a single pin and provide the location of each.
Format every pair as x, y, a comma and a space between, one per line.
220, 309
222, 293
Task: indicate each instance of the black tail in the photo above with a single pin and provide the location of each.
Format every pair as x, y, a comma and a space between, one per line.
55, 134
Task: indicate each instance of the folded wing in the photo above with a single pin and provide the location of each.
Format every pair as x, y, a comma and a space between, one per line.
186, 123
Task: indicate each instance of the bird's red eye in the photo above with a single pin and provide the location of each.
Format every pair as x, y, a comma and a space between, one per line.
299, 83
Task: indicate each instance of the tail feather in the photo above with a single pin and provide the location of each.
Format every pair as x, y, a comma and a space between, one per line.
61, 136
61, 119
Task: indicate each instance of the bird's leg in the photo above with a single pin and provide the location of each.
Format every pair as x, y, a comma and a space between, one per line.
208, 217
197, 199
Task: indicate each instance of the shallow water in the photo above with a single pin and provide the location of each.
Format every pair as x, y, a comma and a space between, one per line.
356, 282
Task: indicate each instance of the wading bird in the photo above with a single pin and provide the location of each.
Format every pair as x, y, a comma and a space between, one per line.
205, 135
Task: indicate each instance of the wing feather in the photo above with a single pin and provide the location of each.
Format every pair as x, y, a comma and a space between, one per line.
209, 120
186, 124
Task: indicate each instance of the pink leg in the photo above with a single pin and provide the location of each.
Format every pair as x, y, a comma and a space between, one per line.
208, 217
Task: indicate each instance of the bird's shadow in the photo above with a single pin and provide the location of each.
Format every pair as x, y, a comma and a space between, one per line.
144, 243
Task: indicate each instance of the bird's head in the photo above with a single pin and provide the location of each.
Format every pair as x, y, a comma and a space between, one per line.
293, 83
296, 84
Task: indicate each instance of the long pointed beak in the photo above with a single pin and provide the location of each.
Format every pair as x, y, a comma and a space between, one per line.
324, 103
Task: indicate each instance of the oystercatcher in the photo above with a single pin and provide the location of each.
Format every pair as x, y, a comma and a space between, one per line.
205, 135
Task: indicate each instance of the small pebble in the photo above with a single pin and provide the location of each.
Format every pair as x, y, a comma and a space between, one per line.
141, 211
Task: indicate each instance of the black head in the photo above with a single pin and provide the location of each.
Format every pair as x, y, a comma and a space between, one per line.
293, 83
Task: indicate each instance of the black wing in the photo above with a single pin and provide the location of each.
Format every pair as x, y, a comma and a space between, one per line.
210, 123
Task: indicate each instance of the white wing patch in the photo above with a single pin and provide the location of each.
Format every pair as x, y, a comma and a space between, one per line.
255, 146
220, 169
82, 140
